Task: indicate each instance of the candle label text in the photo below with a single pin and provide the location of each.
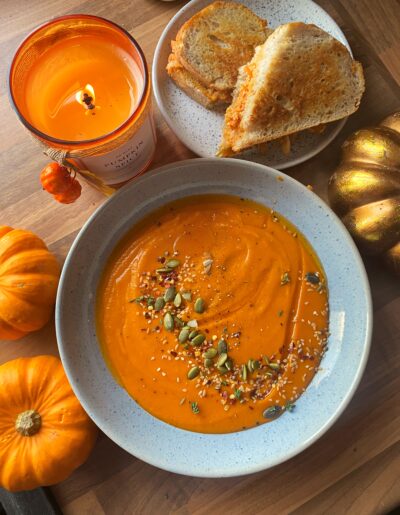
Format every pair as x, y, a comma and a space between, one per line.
126, 161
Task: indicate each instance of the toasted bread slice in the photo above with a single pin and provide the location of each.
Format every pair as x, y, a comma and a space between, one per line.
216, 41
299, 78
208, 97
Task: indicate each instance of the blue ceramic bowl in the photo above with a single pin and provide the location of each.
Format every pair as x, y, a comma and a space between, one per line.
206, 455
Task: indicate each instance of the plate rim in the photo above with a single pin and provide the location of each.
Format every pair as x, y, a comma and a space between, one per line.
245, 468
182, 136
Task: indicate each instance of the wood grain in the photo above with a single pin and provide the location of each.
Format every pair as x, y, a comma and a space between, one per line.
355, 466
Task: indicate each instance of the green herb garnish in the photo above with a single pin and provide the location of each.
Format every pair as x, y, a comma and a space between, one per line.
289, 406
195, 408
138, 299
238, 393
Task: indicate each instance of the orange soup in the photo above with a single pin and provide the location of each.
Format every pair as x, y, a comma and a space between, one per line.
213, 314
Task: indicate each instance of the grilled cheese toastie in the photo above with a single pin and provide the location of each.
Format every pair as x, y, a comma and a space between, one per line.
210, 48
300, 78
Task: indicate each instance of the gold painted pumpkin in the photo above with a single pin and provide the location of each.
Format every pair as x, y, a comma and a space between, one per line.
365, 189
45, 433
29, 276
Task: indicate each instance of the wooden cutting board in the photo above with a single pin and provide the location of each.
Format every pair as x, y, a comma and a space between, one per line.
355, 467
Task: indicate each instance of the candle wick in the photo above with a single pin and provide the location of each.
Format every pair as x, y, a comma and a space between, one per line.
87, 100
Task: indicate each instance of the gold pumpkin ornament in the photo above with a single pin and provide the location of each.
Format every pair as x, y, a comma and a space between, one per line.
365, 189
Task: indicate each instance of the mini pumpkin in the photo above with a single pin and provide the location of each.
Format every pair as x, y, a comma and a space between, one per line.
44, 432
29, 276
61, 183
365, 189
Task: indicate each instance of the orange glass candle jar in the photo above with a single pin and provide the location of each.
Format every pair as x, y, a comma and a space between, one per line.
81, 85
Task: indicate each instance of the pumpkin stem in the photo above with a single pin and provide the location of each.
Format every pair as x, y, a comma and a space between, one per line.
28, 422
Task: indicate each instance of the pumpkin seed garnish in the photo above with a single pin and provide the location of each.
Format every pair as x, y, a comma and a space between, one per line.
222, 347
274, 366
210, 353
198, 340
150, 300
195, 408
179, 322
193, 373
193, 333
169, 294
222, 370
244, 372
177, 300
222, 359
312, 278
199, 305
289, 406
207, 263
173, 263
168, 322
164, 270
285, 278
266, 360
192, 323
272, 412
229, 364
159, 303
250, 365
187, 295
208, 362
183, 335
256, 364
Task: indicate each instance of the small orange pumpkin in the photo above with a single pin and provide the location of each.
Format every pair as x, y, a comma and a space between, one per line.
29, 276
71, 194
45, 434
58, 181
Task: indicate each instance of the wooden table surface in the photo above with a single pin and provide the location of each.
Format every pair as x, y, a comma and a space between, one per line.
355, 466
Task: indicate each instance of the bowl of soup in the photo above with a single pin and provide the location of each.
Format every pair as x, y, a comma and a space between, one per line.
214, 317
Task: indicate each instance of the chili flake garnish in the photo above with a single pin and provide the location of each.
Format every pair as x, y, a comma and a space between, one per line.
208, 354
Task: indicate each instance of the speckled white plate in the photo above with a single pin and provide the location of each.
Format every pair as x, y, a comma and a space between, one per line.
182, 451
199, 128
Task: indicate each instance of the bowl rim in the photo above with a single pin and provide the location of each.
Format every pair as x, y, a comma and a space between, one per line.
185, 139
245, 470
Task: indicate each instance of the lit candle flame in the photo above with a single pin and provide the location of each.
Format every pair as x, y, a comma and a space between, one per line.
86, 97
